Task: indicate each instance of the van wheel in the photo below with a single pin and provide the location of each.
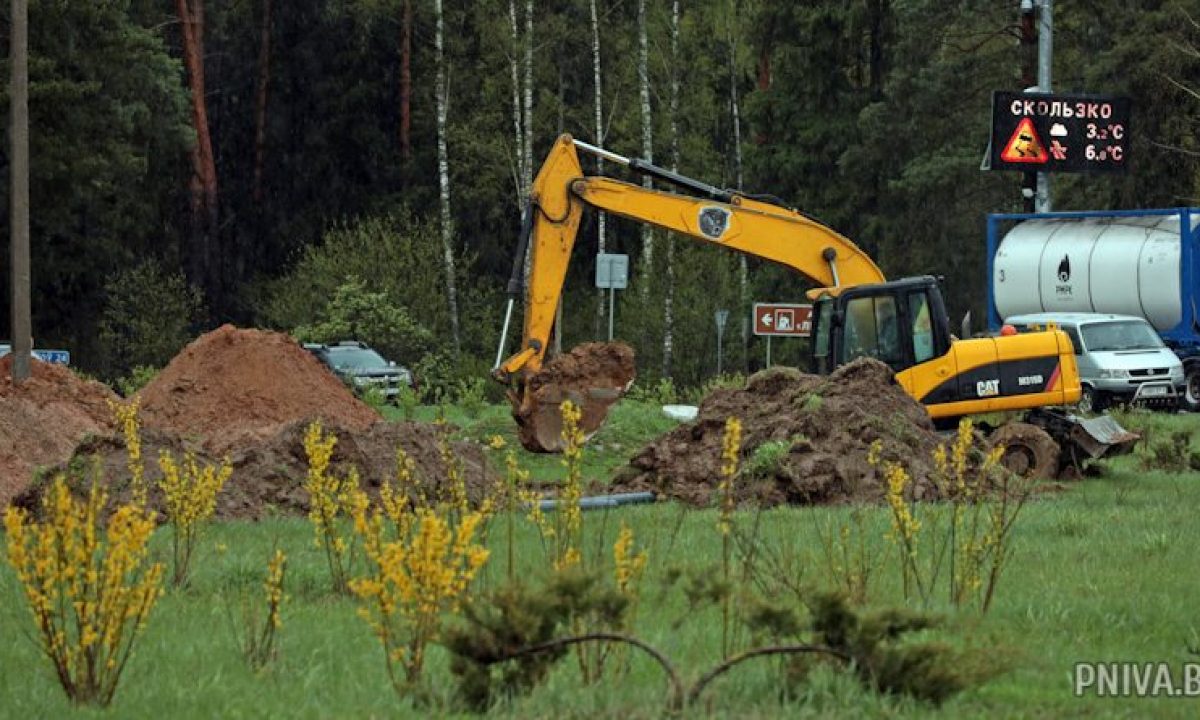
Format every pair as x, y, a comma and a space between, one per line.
1091, 400
1029, 451
1191, 389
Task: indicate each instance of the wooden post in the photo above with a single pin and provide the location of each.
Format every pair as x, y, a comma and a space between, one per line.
22, 326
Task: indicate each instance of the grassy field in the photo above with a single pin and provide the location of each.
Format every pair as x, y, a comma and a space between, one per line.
1102, 571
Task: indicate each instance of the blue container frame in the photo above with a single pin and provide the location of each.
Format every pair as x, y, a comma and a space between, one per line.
1187, 331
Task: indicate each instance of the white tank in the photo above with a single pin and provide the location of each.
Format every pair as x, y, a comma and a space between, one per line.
1128, 266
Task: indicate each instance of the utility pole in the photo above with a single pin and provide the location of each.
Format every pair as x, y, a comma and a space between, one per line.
1045, 57
1028, 83
22, 330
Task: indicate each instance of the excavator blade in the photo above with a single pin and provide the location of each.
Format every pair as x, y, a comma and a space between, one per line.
593, 376
1102, 437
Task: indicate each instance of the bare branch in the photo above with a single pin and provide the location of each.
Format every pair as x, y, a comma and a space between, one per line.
677, 693
708, 677
1181, 86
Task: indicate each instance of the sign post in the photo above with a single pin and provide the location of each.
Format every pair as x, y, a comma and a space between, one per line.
612, 274
721, 316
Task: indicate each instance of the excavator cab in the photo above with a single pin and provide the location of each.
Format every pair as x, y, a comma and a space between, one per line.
901, 323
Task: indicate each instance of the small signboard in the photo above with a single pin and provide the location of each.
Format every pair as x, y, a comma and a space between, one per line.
612, 271
780, 319
58, 357
721, 316
1046, 132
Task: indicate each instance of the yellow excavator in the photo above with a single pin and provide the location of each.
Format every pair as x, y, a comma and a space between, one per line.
856, 313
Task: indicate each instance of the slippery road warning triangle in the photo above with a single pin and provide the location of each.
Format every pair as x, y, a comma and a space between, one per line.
1024, 146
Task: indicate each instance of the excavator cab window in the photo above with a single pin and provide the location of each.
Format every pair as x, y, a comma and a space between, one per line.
822, 328
924, 347
872, 329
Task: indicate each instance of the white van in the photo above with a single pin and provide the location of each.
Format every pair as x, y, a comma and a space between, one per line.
1121, 358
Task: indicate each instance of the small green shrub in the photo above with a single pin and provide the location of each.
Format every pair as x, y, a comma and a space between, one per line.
767, 459
407, 399
469, 393
662, 393
435, 377
138, 378
720, 382
374, 397
1171, 454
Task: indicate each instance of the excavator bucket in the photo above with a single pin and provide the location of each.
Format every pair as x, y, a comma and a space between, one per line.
593, 376
1083, 439
1101, 437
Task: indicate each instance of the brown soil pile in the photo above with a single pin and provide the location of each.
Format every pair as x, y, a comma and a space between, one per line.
820, 430
591, 375
44, 418
269, 473
231, 387
247, 395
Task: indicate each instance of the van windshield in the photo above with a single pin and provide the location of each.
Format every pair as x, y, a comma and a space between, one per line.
1120, 335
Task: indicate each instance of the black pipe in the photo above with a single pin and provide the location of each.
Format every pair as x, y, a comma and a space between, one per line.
712, 191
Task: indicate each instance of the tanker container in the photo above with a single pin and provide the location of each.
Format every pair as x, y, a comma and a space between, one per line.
1135, 262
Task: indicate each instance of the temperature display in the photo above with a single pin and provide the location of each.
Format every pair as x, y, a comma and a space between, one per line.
1046, 132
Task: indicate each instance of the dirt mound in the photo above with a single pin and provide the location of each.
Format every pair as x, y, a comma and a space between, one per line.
591, 375
269, 473
232, 386
805, 440
44, 418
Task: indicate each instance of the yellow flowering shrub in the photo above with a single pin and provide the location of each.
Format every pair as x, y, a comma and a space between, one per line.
260, 636
568, 530
333, 503
628, 565
515, 493
414, 580
126, 415
189, 499
974, 533
455, 486
731, 447
90, 588
966, 534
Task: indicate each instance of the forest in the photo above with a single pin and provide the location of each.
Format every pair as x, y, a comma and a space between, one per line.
294, 164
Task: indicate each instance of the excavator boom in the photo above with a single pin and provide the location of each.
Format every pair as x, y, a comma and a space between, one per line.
734, 221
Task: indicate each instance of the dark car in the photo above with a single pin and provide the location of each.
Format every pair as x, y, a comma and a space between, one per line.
361, 367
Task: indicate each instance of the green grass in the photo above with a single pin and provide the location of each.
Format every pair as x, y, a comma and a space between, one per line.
1103, 571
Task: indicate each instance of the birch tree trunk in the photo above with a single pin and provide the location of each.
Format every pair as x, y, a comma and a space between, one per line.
528, 115
523, 112
735, 112
518, 132
406, 21
205, 253
647, 261
601, 219
260, 98
444, 178
673, 111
